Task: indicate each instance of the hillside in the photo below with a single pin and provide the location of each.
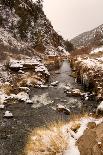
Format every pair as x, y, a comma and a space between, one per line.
24, 28
91, 38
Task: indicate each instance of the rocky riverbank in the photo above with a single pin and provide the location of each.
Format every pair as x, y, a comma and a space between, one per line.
88, 70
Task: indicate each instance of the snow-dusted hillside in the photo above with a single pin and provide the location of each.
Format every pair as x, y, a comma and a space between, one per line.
90, 38
23, 26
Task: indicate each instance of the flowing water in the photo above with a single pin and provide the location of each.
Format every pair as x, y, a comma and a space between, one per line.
56, 95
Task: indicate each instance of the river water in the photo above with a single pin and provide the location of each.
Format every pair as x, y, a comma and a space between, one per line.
14, 132
55, 95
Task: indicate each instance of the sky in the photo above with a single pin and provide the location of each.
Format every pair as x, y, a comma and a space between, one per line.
73, 17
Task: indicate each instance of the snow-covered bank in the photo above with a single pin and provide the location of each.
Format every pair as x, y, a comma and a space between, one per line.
59, 139
88, 69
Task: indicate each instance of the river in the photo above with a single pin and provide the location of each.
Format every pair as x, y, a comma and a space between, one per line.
14, 132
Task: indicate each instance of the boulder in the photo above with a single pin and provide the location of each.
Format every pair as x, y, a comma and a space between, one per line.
61, 108
67, 88
100, 109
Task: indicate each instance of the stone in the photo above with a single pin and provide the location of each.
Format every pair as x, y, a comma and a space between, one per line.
2, 106
100, 109
57, 72
61, 108
76, 92
55, 83
8, 114
43, 86
29, 102
67, 88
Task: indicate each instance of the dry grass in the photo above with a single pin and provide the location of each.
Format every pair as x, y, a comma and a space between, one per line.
29, 79
54, 139
6, 88
47, 141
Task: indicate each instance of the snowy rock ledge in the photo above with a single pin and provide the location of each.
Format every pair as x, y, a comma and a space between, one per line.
28, 63
22, 96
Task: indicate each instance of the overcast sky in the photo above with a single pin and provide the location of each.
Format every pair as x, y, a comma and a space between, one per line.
72, 17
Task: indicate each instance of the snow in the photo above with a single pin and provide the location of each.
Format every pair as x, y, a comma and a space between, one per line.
3, 97
73, 137
55, 83
2, 106
100, 107
92, 63
40, 100
8, 114
7, 39
38, 66
20, 96
69, 135
96, 50
73, 149
63, 50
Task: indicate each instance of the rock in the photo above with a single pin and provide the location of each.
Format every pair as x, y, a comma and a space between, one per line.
67, 89
57, 72
21, 71
26, 89
88, 96
8, 114
99, 144
43, 86
100, 109
69, 94
55, 83
74, 92
63, 100
99, 97
2, 106
61, 108
29, 102
75, 126
91, 125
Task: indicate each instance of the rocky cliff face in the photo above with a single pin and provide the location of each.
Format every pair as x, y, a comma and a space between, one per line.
25, 28
91, 38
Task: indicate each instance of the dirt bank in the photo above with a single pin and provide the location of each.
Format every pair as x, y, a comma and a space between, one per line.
91, 143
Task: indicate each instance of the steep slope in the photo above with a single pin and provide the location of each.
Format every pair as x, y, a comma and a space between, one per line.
26, 39
24, 27
90, 38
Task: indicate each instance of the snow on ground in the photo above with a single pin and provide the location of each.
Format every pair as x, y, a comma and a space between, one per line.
38, 66
7, 39
92, 63
63, 50
96, 50
67, 134
73, 137
22, 96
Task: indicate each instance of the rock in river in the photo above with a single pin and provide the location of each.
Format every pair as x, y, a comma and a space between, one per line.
55, 83
8, 114
61, 108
